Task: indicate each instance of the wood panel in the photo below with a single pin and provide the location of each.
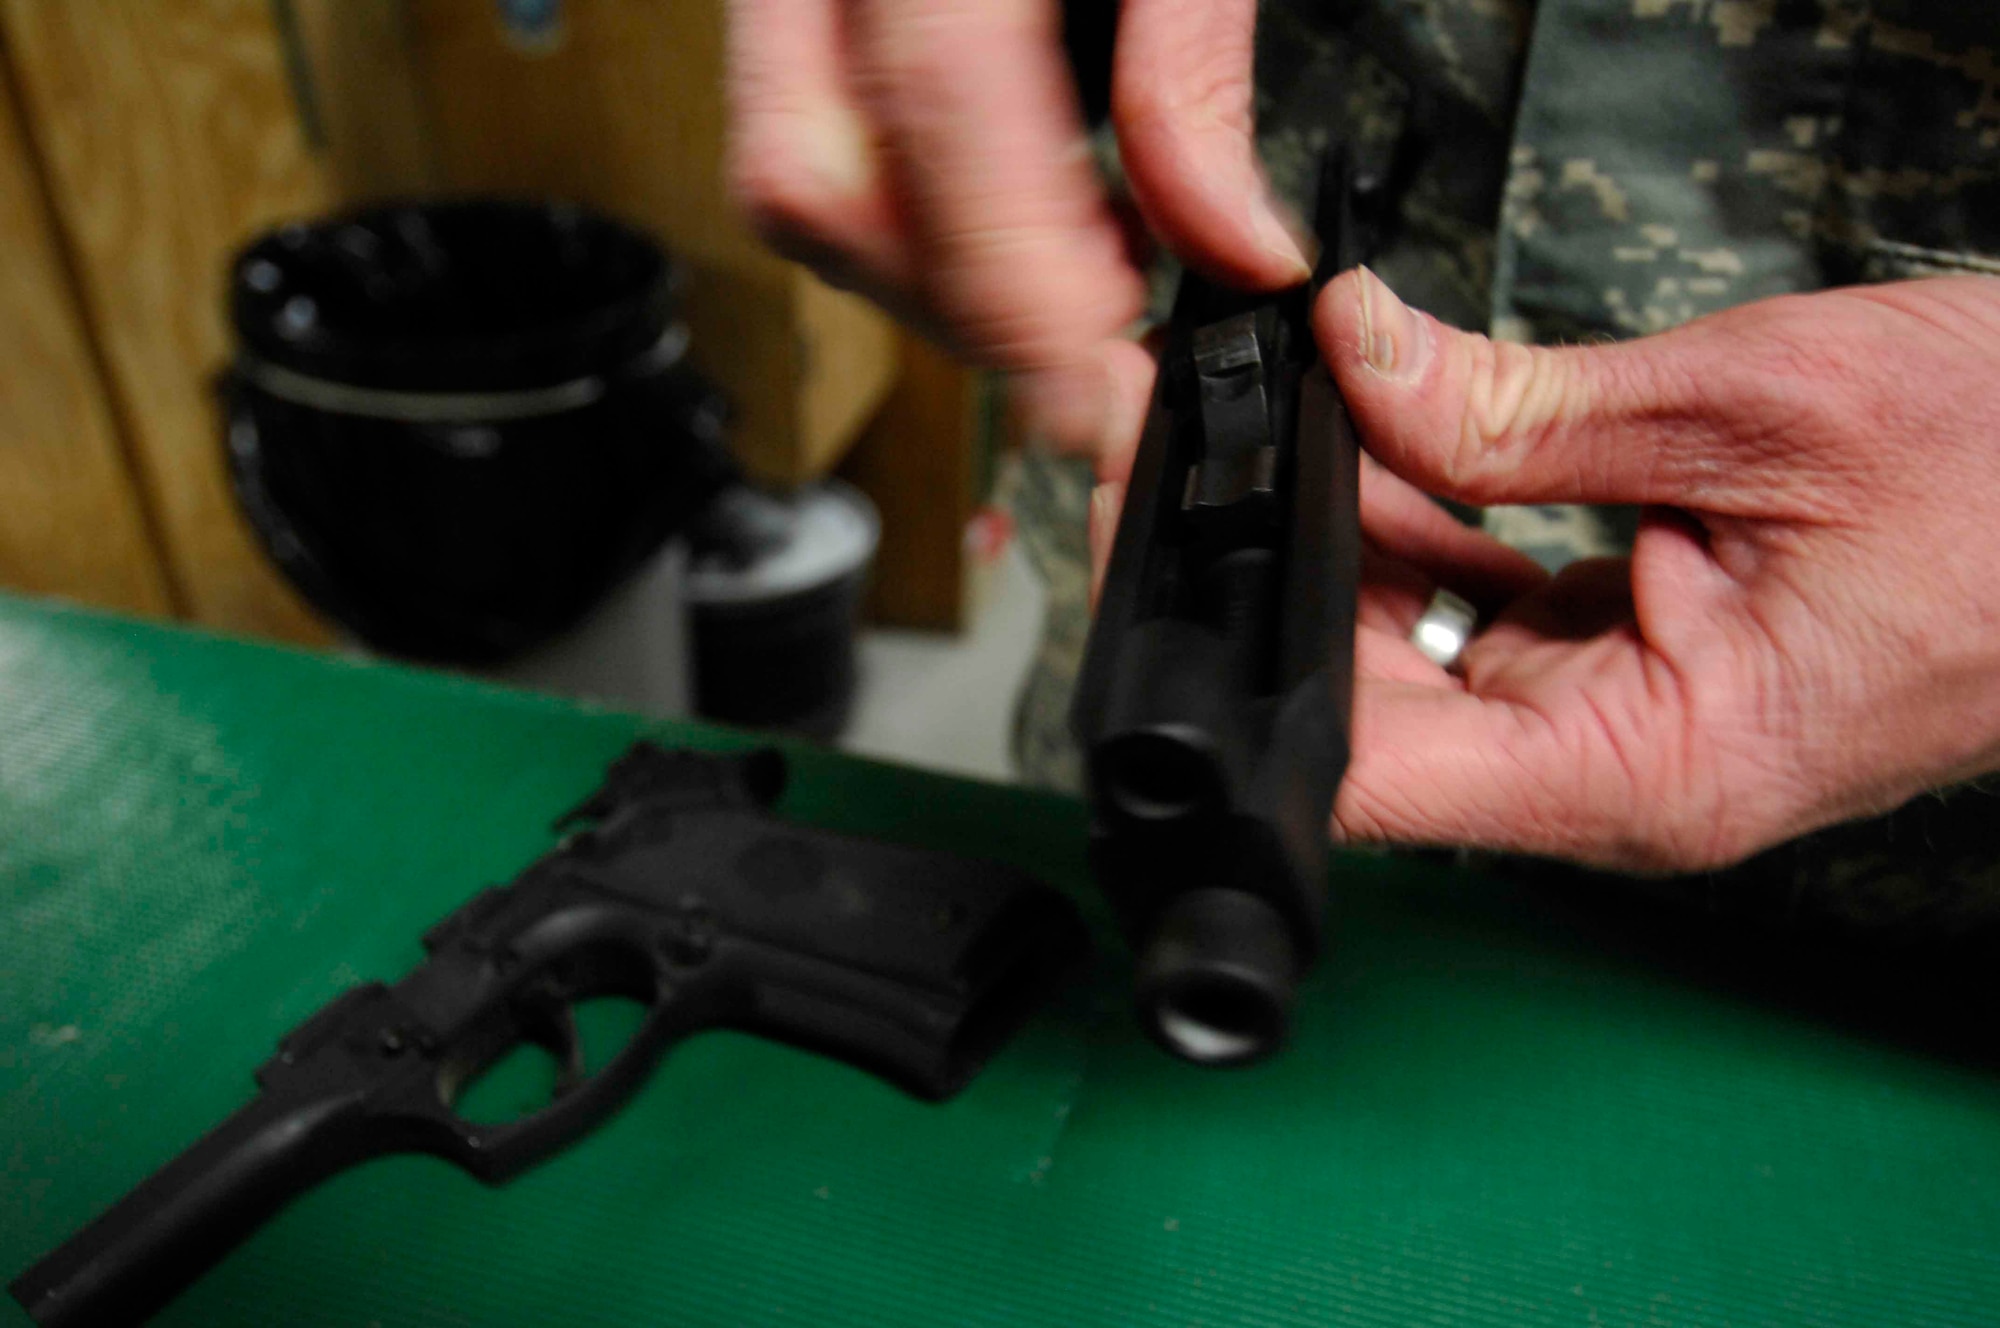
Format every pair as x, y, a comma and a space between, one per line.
74, 524
168, 134
623, 110
369, 110
850, 358
915, 460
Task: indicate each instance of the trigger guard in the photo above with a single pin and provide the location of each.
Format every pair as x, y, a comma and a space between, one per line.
497, 1152
551, 1025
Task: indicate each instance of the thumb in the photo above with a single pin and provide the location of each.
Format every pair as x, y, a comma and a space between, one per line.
1487, 422
1181, 100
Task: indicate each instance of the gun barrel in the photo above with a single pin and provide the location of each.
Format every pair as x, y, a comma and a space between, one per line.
149, 1246
1218, 977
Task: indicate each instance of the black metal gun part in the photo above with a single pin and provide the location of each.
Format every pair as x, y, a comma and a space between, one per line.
681, 891
1214, 701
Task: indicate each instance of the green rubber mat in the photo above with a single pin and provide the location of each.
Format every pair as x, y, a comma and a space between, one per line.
1498, 1108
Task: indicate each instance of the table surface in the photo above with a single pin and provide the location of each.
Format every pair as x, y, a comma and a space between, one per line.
1500, 1105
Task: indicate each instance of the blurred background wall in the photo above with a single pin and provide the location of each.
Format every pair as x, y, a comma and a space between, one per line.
142, 143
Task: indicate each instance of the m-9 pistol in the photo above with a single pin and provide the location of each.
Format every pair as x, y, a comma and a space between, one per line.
678, 890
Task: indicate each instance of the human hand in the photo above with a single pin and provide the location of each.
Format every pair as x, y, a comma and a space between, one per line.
1808, 629
929, 153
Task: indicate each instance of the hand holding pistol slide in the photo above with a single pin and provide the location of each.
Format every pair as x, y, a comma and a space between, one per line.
684, 894
1215, 694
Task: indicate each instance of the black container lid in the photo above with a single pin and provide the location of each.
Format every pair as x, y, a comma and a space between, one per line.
478, 295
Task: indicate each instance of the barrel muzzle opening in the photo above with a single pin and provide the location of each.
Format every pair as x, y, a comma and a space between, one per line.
1218, 978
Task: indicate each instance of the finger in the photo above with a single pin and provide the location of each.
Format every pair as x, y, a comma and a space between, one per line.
1438, 766
1392, 594
1402, 522
1389, 656
1134, 368
1107, 502
1016, 247
802, 158
1583, 601
1181, 101
1488, 422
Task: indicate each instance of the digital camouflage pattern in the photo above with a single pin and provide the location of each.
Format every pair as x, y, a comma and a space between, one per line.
1577, 170
1050, 499
1674, 157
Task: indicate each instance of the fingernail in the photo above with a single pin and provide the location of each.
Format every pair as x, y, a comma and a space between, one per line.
1068, 406
1277, 238
1394, 341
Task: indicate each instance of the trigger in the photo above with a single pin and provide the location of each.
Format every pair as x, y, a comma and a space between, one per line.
548, 1021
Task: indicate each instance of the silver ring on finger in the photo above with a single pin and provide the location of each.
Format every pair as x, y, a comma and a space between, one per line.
1444, 628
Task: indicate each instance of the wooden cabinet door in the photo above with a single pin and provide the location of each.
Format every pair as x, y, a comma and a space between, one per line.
167, 133
71, 520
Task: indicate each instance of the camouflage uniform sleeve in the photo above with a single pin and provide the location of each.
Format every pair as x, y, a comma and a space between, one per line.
1049, 497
